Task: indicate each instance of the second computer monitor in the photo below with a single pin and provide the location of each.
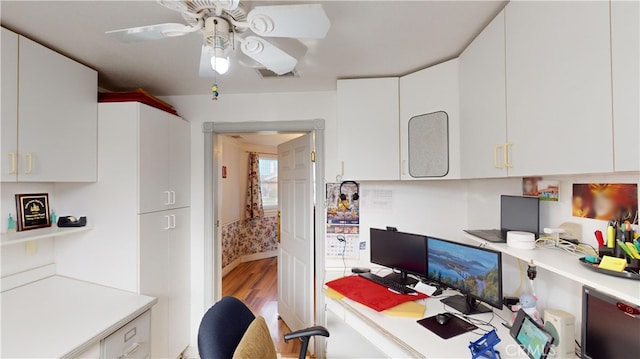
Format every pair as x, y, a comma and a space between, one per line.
403, 252
475, 272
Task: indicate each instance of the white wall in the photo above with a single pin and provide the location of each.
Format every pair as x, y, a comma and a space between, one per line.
14, 257
236, 159
241, 108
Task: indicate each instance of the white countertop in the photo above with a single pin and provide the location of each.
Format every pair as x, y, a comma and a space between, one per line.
59, 317
404, 337
567, 265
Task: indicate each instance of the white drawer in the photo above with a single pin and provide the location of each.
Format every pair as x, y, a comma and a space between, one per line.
131, 341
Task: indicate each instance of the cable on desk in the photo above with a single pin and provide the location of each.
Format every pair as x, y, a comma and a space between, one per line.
569, 247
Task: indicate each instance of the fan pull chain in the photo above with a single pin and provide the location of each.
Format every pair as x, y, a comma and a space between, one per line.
214, 91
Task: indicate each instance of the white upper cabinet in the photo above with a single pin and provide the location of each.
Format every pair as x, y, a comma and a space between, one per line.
9, 105
625, 40
483, 104
179, 164
57, 117
424, 152
368, 129
558, 87
164, 166
49, 115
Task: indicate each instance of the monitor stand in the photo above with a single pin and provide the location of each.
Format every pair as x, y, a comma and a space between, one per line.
402, 278
466, 304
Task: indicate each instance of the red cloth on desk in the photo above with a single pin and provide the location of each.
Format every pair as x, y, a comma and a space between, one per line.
371, 294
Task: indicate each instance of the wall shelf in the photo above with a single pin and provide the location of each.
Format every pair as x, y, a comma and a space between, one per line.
568, 266
7, 239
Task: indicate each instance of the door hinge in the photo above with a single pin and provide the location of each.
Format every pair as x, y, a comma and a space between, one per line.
218, 224
313, 156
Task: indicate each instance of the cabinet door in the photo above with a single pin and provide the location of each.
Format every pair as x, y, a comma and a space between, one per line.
558, 87
58, 117
153, 160
9, 108
154, 271
482, 103
368, 129
625, 40
430, 91
179, 281
179, 162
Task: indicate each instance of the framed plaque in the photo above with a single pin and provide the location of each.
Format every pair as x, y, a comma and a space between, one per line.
33, 211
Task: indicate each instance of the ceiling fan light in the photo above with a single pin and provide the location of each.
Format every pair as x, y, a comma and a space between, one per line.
220, 64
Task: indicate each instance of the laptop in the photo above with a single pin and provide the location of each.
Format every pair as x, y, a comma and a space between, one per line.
517, 213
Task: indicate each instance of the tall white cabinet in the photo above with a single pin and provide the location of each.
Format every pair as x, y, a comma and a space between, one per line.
140, 212
49, 114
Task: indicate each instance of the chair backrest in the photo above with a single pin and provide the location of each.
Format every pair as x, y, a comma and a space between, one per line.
222, 328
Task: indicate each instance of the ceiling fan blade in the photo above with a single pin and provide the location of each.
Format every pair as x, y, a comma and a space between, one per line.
300, 21
267, 54
151, 32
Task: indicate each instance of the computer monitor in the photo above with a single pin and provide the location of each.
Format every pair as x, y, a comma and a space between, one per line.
519, 213
475, 272
403, 252
610, 327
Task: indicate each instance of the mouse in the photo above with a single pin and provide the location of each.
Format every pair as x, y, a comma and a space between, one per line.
443, 318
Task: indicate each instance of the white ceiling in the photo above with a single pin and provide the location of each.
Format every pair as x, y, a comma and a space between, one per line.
366, 39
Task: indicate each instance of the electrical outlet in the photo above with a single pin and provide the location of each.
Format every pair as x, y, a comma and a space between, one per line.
572, 231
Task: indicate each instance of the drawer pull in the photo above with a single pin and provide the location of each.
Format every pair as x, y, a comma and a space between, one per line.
132, 349
130, 334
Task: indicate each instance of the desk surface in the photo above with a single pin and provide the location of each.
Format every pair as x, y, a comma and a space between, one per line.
567, 265
404, 337
60, 317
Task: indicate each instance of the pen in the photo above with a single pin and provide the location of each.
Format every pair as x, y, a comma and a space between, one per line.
599, 238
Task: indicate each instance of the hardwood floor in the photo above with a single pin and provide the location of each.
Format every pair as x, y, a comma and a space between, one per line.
256, 284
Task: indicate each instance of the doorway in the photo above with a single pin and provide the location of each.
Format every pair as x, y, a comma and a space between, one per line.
213, 191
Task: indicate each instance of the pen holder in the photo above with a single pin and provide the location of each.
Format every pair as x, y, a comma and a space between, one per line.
618, 252
605, 251
633, 264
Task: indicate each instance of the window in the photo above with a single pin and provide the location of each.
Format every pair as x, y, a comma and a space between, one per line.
269, 180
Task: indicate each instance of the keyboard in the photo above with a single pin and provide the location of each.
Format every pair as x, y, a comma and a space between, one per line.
395, 286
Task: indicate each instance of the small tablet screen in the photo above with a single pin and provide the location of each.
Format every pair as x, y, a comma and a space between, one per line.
533, 339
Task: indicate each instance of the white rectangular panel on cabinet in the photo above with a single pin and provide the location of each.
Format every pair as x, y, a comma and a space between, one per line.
483, 103
57, 123
368, 137
558, 87
9, 106
428, 91
625, 57
153, 156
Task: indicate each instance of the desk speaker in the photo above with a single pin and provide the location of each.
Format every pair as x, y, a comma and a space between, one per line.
560, 325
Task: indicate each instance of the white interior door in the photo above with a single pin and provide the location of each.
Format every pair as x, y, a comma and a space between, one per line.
295, 255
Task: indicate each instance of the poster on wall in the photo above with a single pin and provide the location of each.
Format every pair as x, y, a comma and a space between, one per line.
545, 190
343, 219
606, 201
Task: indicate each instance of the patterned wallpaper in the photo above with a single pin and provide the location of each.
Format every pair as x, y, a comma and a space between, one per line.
248, 236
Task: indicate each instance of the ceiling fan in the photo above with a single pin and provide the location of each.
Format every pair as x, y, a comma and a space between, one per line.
225, 22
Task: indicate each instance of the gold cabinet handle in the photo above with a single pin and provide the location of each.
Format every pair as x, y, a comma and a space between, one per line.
505, 155
14, 163
29, 169
496, 164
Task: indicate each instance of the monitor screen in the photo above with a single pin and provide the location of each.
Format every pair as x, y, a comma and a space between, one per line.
404, 252
475, 272
519, 214
610, 327
531, 337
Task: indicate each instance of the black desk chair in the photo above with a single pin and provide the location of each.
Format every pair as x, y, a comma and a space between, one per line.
224, 325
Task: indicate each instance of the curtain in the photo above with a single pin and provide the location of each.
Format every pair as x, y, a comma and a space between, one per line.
254, 194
